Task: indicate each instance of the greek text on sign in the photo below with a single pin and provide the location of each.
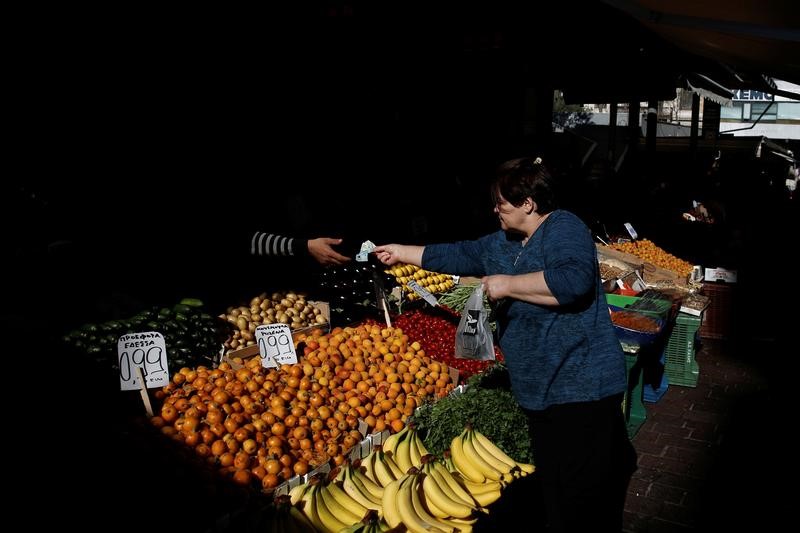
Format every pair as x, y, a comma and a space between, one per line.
423, 293
146, 350
275, 345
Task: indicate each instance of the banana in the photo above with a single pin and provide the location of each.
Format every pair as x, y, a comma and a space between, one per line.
477, 488
297, 493
384, 526
484, 494
448, 461
527, 468
486, 459
391, 442
450, 486
478, 460
369, 465
402, 454
487, 498
414, 454
392, 464
438, 496
329, 520
409, 510
309, 508
362, 496
463, 525
369, 487
300, 521
355, 528
435, 511
485, 443
495, 450
461, 462
421, 509
383, 471
391, 513
345, 500
421, 450
341, 471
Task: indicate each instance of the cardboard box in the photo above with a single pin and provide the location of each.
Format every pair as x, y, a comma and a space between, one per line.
252, 350
651, 274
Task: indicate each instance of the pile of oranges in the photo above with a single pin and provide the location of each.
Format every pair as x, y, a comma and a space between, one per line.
264, 425
648, 251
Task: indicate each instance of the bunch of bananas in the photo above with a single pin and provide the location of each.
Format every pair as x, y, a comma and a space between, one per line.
479, 460
448, 497
433, 282
341, 503
289, 519
405, 447
380, 467
371, 524
408, 502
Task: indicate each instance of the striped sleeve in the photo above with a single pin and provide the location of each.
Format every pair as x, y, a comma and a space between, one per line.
271, 244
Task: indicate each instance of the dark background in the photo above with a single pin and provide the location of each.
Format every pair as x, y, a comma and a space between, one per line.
180, 133
147, 146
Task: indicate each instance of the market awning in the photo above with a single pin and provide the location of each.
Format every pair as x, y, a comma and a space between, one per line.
736, 45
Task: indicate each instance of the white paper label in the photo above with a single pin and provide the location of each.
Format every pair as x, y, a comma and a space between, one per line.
423, 293
275, 345
146, 350
631, 231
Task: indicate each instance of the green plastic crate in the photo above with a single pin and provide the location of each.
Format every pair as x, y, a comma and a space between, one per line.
683, 375
632, 404
680, 365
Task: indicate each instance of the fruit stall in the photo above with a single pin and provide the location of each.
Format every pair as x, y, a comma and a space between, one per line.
368, 419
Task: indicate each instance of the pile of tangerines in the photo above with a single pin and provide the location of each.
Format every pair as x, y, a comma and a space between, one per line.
263, 426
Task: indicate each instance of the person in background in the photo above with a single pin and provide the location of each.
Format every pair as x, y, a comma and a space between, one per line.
320, 249
566, 364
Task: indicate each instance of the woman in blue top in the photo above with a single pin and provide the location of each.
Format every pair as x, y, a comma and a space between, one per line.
566, 365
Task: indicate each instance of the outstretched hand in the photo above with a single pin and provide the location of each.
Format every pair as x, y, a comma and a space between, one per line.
321, 249
388, 254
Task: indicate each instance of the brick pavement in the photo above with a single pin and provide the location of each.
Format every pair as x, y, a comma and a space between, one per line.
710, 456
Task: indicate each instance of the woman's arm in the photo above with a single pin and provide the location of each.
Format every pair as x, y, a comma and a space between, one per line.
531, 288
389, 254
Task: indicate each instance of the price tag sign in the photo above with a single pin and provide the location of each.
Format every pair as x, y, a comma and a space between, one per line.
275, 345
631, 231
423, 293
146, 350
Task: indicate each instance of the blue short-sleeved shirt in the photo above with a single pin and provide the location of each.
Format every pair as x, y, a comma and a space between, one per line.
555, 354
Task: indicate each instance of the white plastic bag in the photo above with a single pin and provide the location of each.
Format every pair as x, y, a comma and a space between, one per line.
473, 335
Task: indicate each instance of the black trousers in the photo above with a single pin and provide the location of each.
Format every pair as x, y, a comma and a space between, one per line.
585, 460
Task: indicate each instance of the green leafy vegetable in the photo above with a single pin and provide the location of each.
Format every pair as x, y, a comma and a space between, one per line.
492, 411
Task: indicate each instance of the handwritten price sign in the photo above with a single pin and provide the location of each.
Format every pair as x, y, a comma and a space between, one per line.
275, 345
147, 351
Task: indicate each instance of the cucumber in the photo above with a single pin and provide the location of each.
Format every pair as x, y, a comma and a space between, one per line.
182, 309
192, 302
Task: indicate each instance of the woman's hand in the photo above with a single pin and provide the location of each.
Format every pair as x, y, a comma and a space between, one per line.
497, 286
389, 254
